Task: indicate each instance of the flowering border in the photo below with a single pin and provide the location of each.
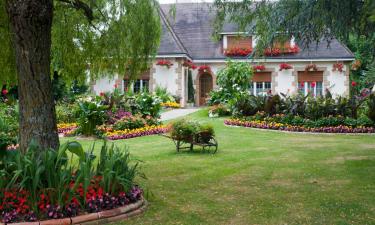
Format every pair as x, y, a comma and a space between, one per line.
106, 216
139, 132
284, 127
66, 129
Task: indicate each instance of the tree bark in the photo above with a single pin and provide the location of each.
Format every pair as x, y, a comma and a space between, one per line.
31, 23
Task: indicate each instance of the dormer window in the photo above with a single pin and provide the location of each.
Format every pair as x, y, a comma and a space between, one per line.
237, 45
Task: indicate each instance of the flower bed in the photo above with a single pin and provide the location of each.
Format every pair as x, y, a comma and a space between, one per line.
171, 105
126, 134
66, 129
285, 127
46, 185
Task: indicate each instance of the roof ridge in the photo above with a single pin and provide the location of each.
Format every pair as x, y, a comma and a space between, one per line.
170, 28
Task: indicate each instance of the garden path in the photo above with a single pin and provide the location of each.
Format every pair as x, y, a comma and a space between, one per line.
175, 113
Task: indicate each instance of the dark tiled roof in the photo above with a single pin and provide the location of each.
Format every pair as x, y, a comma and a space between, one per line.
193, 29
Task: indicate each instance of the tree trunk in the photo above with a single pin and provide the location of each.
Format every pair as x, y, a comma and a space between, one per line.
31, 22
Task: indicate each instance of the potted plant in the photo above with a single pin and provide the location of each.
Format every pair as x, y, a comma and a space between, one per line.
204, 69
183, 130
311, 67
165, 63
205, 134
238, 51
285, 66
259, 68
338, 67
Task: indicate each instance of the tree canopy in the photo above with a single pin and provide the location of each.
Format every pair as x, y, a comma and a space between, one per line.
309, 21
106, 37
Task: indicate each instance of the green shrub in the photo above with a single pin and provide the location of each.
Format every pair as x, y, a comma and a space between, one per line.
371, 107
148, 105
218, 110
65, 113
163, 95
184, 130
9, 125
89, 115
232, 79
244, 104
54, 174
131, 122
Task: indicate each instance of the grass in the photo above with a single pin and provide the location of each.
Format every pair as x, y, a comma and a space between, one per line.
258, 177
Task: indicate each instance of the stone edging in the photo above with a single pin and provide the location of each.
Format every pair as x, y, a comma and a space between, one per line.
102, 217
302, 132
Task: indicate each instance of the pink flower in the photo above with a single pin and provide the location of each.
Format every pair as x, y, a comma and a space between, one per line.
313, 84
5, 91
115, 85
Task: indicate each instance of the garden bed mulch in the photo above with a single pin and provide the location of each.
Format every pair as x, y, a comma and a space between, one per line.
247, 124
102, 217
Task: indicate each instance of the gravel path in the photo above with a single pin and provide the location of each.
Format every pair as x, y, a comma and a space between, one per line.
175, 113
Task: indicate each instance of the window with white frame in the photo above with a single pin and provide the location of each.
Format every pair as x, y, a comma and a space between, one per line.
315, 88
137, 86
259, 88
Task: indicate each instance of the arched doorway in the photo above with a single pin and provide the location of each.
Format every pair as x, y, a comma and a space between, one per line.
205, 87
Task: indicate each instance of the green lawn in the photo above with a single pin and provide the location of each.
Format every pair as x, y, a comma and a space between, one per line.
258, 177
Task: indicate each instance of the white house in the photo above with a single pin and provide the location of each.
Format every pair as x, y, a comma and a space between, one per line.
188, 37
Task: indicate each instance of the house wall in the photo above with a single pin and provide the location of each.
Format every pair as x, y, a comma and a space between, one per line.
166, 77
286, 81
104, 84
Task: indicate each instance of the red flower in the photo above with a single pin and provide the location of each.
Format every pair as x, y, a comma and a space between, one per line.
115, 85
285, 66
313, 84
302, 84
101, 94
259, 67
204, 69
237, 51
354, 83
5, 91
165, 63
338, 66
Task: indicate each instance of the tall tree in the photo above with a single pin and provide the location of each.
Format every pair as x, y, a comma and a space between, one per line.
104, 37
309, 21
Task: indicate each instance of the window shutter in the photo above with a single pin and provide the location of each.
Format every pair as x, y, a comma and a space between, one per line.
239, 42
311, 76
262, 77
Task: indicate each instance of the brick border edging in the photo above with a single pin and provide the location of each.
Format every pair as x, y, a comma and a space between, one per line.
102, 217
301, 132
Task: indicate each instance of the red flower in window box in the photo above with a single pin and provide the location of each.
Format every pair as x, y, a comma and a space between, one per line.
204, 69
272, 52
285, 66
189, 64
277, 51
338, 67
311, 67
165, 63
259, 67
238, 51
